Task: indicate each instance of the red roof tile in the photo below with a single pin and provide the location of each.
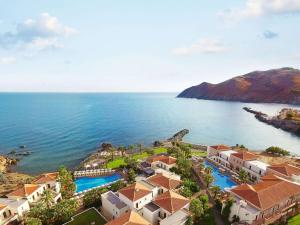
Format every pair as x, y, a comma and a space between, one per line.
135, 191
220, 147
25, 190
162, 158
245, 155
129, 218
267, 193
46, 177
163, 181
286, 169
171, 201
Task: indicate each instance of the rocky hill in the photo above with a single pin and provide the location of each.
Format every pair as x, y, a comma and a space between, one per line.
271, 86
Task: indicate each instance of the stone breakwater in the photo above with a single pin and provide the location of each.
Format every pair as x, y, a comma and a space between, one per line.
280, 122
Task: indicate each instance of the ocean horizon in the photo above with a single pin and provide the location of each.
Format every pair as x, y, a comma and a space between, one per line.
64, 128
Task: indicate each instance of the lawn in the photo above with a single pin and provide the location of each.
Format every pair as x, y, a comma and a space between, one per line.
88, 217
294, 220
199, 153
120, 161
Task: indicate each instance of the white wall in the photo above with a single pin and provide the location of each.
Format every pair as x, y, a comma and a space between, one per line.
111, 209
141, 202
247, 213
150, 216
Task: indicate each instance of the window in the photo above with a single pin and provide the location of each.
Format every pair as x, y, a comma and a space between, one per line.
4, 215
48, 185
137, 205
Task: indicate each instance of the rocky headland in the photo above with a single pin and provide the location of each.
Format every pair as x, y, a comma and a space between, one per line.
271, 86
287, 119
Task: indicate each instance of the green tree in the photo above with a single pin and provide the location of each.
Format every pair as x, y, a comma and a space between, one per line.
184, 166
191, 185
209, 179
131, 163
131, 175
277, 151
204, 200
48, 198
196, 208
40, 211
227, 208
64, 210
216, 190
33, 221
67, 185
140, 147
208, 170
116, 186
243, 176
186, 192
112, 153
150, 151
189, 221
93, 198
122, 149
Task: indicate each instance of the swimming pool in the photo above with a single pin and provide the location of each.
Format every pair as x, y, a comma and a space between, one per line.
85, 183
221, 180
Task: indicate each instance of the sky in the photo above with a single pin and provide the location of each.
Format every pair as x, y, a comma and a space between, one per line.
142, 46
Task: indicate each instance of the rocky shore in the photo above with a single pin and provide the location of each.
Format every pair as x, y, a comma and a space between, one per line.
287, 119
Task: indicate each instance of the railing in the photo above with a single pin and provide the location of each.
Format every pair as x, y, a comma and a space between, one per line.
96, 172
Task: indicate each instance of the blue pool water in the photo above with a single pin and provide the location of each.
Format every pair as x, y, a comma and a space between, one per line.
221, 180
85, 183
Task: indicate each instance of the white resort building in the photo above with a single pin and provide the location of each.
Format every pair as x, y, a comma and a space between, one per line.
152, 198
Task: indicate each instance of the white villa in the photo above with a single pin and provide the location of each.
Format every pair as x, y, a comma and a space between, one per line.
255, 169
30, 192
167, 208
19, 201
112, 205
11, 210
153, 199
162, 161
267, 201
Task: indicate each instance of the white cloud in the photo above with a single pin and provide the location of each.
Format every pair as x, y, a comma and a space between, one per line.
205, 46
256, 8
7, 60
44, 32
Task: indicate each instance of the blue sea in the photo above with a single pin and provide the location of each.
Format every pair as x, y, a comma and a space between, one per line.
62, 129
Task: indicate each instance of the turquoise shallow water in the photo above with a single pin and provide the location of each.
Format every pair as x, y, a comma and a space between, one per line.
64, 128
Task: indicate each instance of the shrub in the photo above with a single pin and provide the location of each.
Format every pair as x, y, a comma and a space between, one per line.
277, 150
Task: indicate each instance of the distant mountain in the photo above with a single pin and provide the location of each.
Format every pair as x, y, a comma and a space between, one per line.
271, 86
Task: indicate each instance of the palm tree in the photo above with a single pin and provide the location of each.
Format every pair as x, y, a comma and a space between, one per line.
243, 176
112, 152
140, 147
122, 149
48, 198
208, 179
216, 190
208, 170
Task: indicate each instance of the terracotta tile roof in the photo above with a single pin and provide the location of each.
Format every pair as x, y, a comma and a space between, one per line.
220, 147
161, 180
163, 158
2, 206
286, 169
129, 218
135, 191
267, 193
171, 201
245, 155
46, 177
24, 191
